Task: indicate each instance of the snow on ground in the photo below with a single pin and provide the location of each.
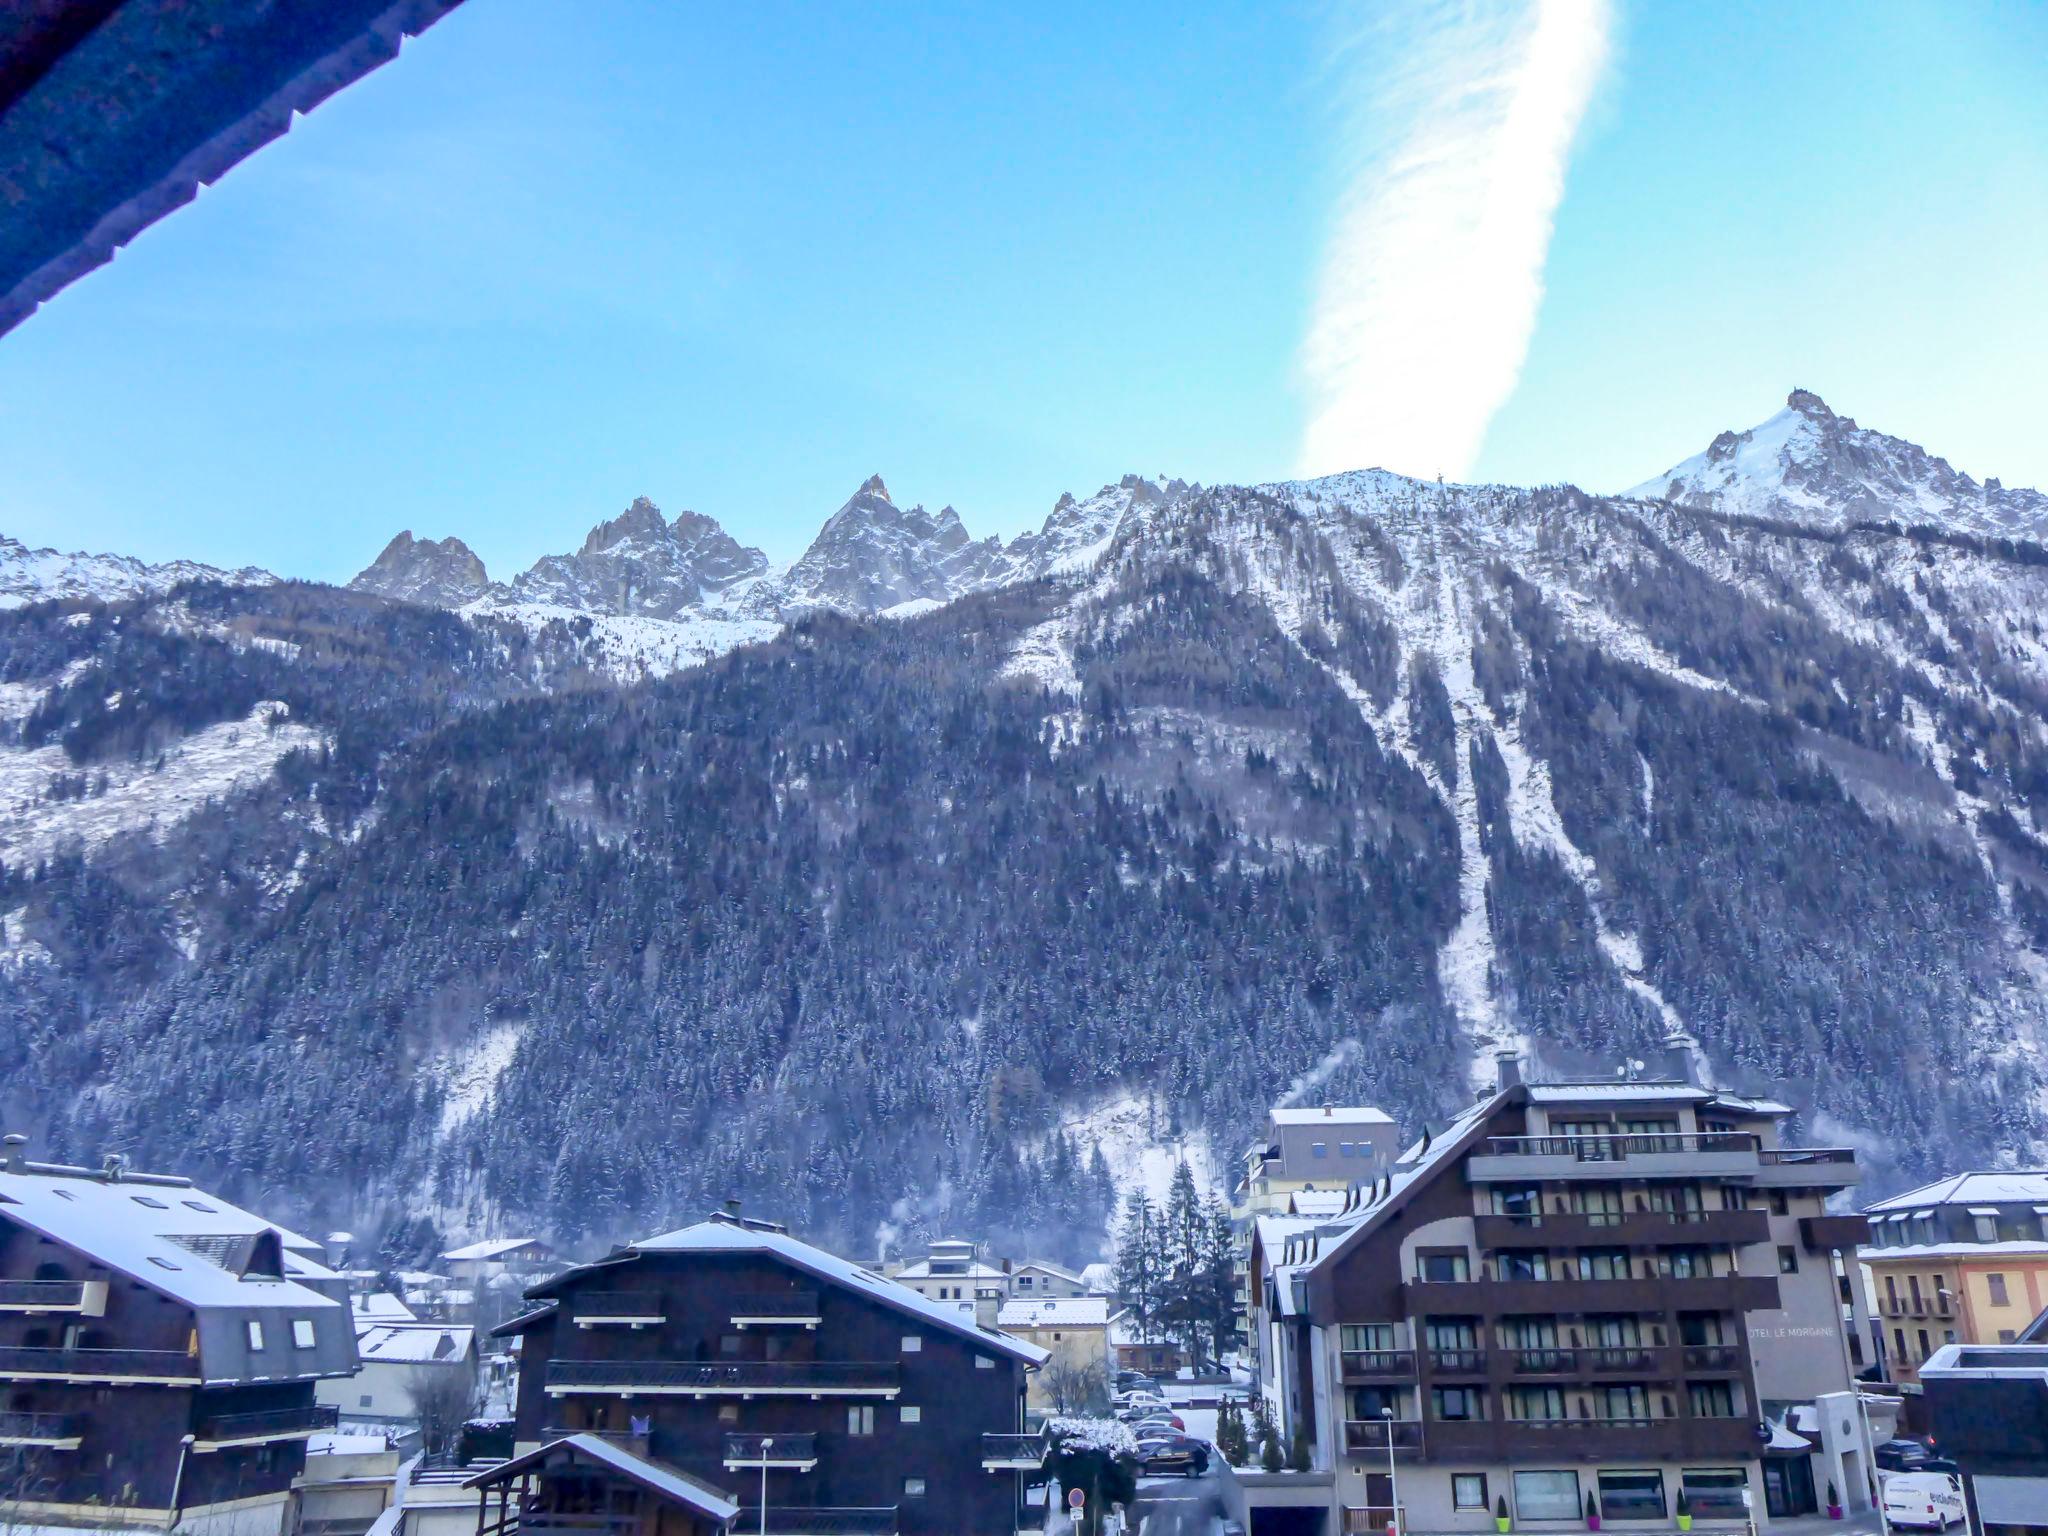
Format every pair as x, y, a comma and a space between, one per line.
1045, 655
1138, 1144
468, 1075
631, 646
206, 766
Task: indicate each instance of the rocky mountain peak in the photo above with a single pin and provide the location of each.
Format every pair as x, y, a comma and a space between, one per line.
640, 563
872, 486
1810, 405
641, 520
444, 573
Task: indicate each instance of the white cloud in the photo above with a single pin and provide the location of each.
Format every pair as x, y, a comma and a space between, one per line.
1457, 122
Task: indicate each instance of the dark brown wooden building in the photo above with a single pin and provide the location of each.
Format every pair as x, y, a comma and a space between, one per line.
158, 1350
737, 1356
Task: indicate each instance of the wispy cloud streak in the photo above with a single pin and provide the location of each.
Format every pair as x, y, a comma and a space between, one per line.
1457, 123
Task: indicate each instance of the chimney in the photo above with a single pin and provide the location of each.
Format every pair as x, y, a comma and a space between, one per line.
13, 1159
1326, 1111
988, 1301
1507, 1069
1678, 1058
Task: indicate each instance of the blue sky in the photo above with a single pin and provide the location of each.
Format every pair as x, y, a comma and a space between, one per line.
737, 258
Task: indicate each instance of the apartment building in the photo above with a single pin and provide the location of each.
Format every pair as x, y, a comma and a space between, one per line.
1074, 1333
1961, 1261
730, 1361
159, 1351
1316, 1148
953, 1270
1602, 1292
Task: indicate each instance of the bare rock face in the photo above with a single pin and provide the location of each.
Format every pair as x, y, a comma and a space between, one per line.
872, 555
441, 573
640, 563
1810, 466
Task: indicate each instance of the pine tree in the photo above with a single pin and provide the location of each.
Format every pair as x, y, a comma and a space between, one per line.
1137, 1260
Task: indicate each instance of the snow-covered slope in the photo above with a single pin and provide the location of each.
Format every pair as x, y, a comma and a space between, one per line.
1808, 465
40, 575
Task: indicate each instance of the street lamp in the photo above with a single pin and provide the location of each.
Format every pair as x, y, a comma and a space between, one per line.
1393, 1477
767, 1444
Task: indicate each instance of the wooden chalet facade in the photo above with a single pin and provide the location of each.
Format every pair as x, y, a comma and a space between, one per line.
748, 1362
159, 1349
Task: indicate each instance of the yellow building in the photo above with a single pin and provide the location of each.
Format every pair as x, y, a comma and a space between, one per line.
1961, 1261
1076, 1331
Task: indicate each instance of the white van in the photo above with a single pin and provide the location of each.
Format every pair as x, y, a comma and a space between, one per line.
1924, 1501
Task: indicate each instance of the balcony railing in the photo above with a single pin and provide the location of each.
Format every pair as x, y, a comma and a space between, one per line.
638, 1307
741, 1378
1012, 1451
794, 1520
1636, 1229
98, 1364
269, 1424
1619, 1147
44, 1429
792, 1450
1378, 1362
1457, 1362
775, 1307
46, 1295
1778, 1157
1374, 1434
1625, 1359
1713, 1357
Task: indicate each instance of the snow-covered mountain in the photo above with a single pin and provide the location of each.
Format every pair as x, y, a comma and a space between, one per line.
443, 573
1807, 465
1189, 794
641, 563
39, 575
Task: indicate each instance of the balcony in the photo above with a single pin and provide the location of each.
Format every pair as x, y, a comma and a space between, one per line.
1622, 1229
734, 1378
1712, 1359
225, 1431
1370, 1436
789, 1453
793, 1520
1914, 1306
1012, 1453
1531, 1159
43, 1431
766, 1309
1663, 1293
1377, 1364
618, 1309
1807, 1168
1824, 1232
1638, 1361
1457, 1362
91, 1367
1543, 1441
79, 1298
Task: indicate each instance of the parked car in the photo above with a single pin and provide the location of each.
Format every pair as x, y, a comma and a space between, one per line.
1901, 1455
1921, 1501
1159, 1418
1173, 1453
1141, 1397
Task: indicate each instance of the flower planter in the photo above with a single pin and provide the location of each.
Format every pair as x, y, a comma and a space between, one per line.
1685, 1522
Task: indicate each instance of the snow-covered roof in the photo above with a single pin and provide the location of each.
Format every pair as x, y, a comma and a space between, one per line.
1745, 1105
1050, 1269
414, 1343
1055, 1312
1995, 1186
1600, 1092
160, 1232
659, 1477
339, 1444
380, 1306
1318, 1202
1332, 1115
922, 1270
728, 1237
490, 1248
1887, 1253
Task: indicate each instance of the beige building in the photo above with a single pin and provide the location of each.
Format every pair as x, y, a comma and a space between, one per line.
1960, 1261
1075, 1330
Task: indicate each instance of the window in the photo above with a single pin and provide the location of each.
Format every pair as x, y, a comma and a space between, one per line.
1788, 1259
2006, 1336
1468, 1490
913, 1487
1375, 1336
860, 1419
302, 1333
1621, 1402
1347, 1149
1781, 1203
912, 1343
1536, 1403
1987, 1228
255, 1334
1524, 1202
1899, 1340
1023, 1282
1997, 1285
1715, 1493
200, 1205
912, 1414
1690, 1263
1523, 1264
1548, 1496
363, 1401
983, 1363
1446, 1266
161, 1263
1926, 1349
1700, 1328
1603, 1264
1710, 1399
1632, 1495
154, 1205
1455, 1403
728, 1413
1319, 1149
729, 1344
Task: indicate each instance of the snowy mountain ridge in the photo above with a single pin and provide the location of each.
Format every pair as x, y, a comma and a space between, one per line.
43, 575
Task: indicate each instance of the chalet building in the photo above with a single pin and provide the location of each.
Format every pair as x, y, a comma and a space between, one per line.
159, 1351
952, 1271
1611, 1292
754, 1367
1960, 1261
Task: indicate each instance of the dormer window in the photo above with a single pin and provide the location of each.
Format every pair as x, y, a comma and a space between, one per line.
153, 1204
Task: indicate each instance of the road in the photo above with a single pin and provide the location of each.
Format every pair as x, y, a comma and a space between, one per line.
1181, 1506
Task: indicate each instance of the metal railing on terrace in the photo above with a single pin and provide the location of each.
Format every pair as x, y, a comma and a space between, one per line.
617, 1304
55, 1295
795, 1520
774, 1304
309, 1418
771, 1450
1621, 1146
16, 1427
1374, 1434
99, 1364
1378, 1362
